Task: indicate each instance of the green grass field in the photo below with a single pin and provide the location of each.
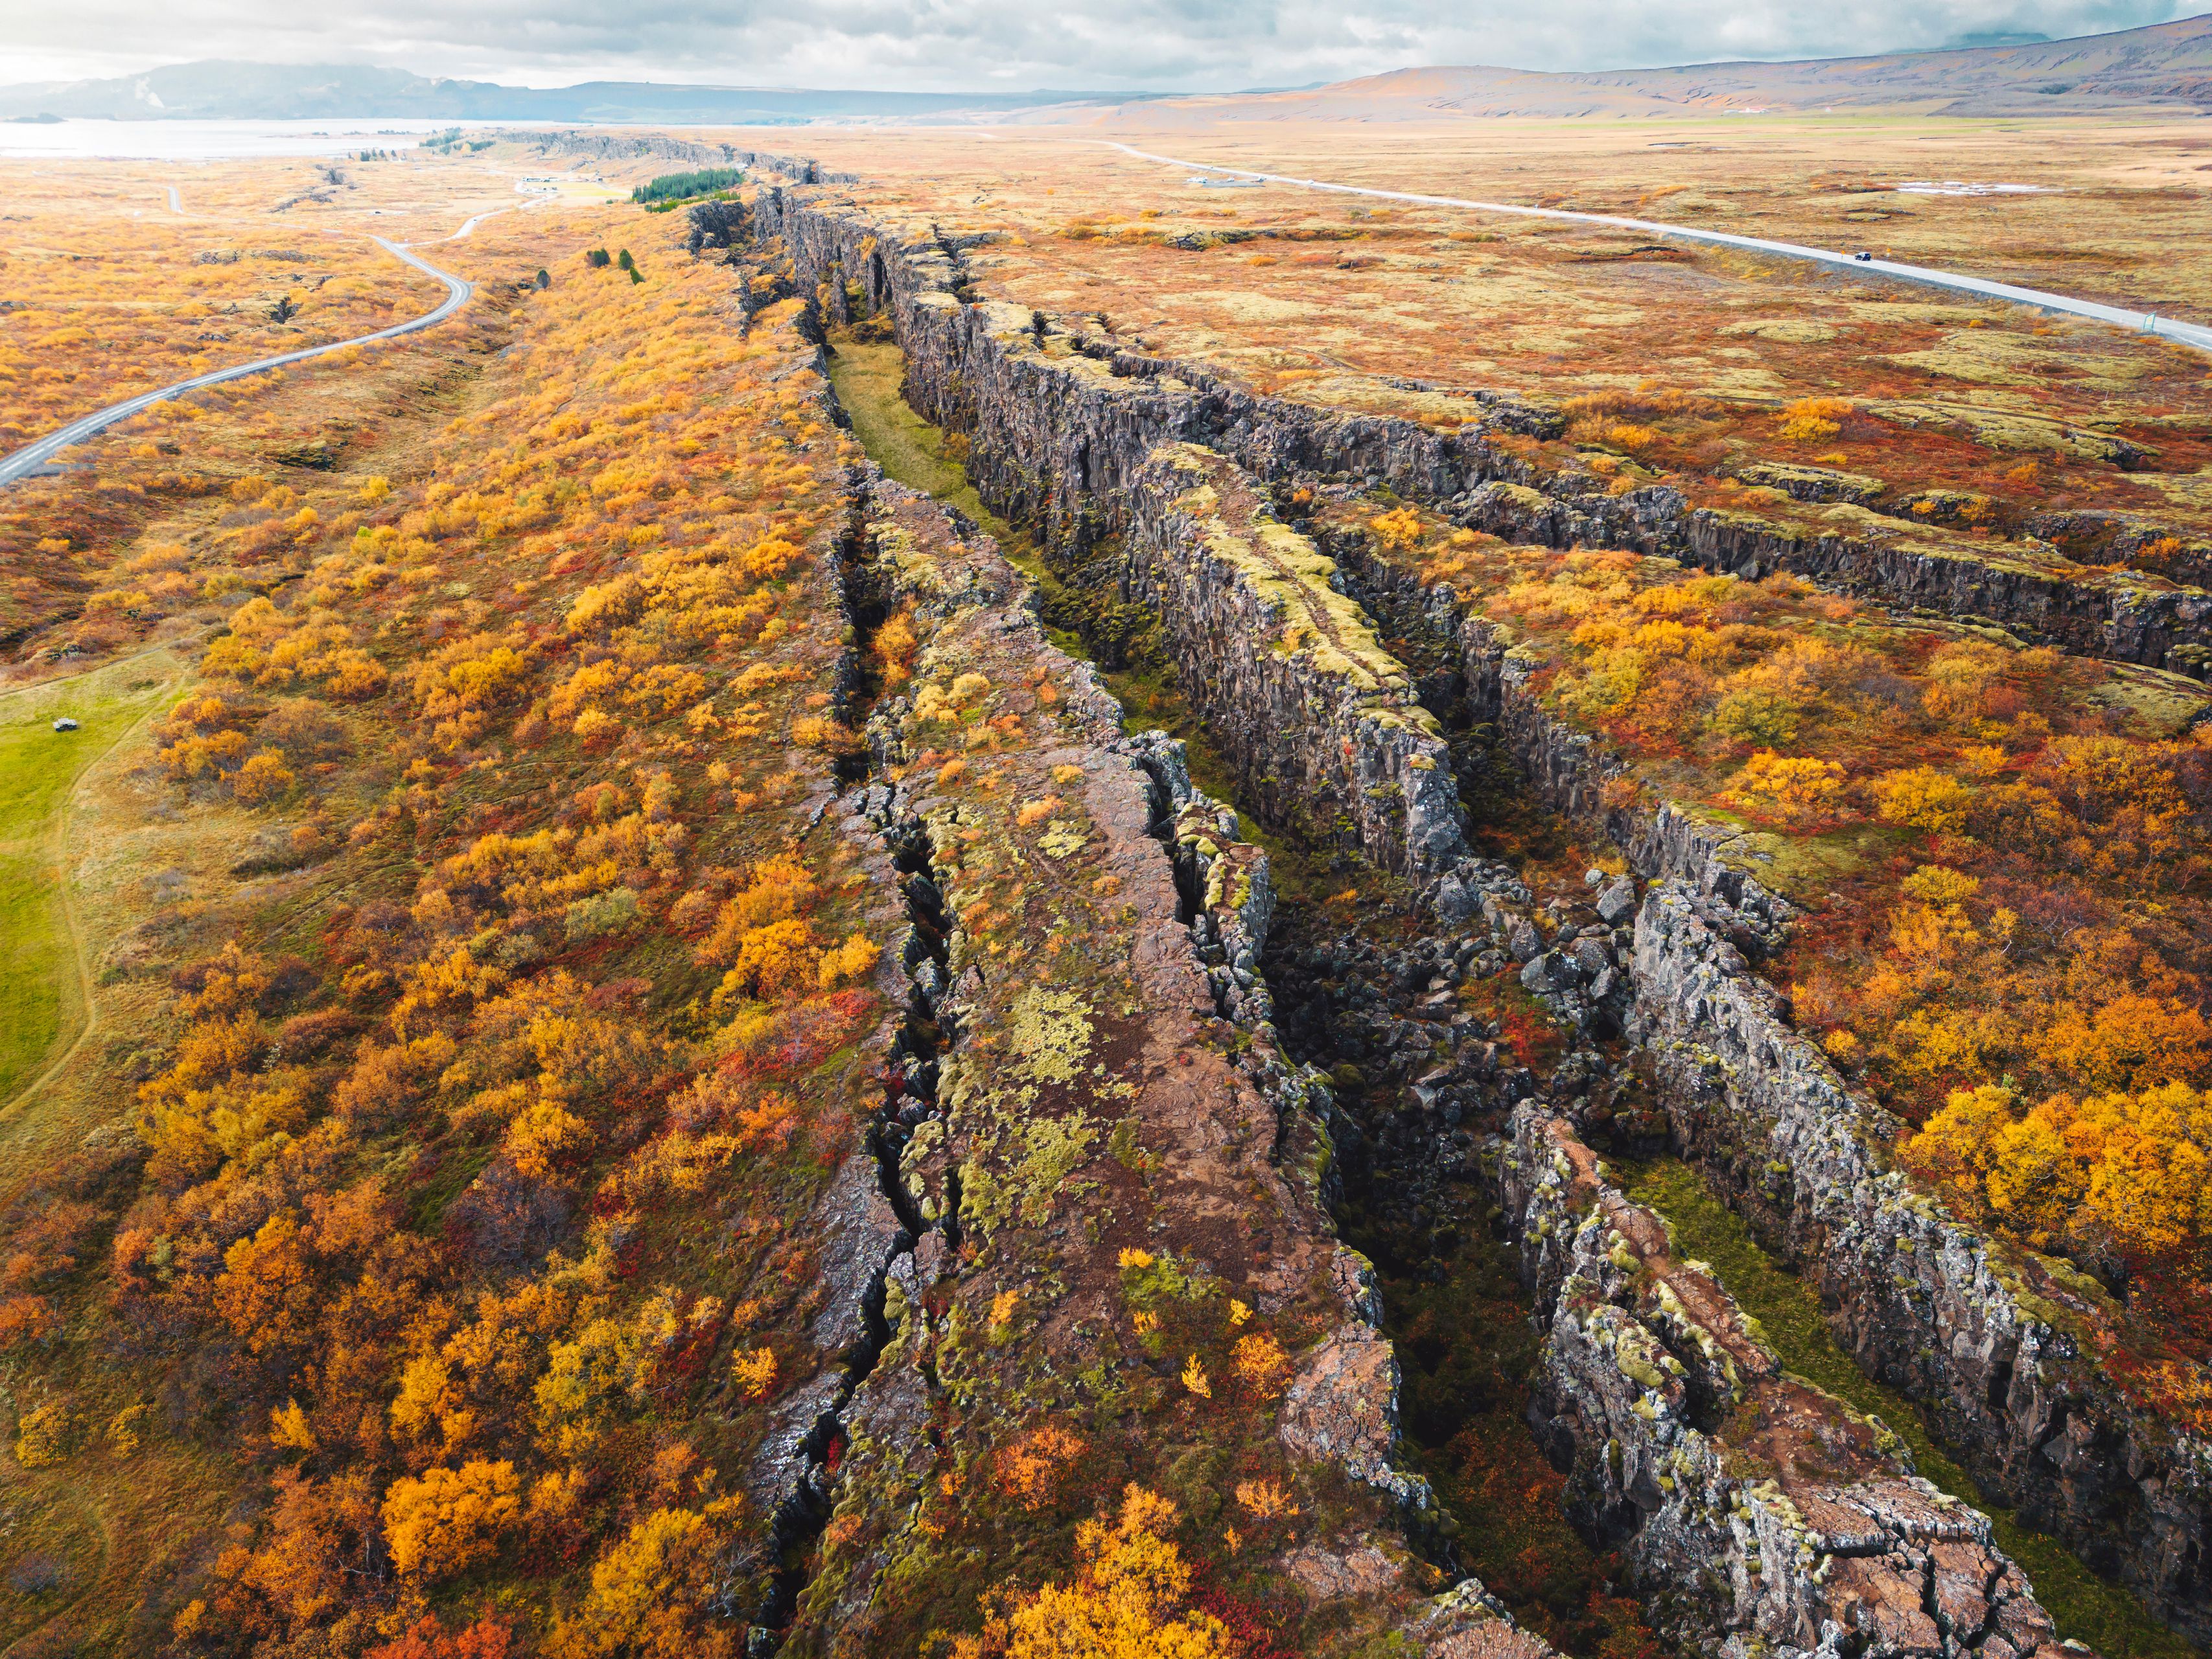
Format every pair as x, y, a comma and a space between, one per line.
868, 379
41, 1003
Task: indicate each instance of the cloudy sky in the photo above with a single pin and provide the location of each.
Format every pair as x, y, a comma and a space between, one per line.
1004, 45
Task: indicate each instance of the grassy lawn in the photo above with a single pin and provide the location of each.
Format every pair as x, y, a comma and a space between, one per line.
867, 378
41, 1004
2087, 1608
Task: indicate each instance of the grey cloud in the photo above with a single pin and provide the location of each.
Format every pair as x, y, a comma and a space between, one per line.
1002, 44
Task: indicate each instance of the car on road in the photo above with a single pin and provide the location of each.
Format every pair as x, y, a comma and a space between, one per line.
1863, 256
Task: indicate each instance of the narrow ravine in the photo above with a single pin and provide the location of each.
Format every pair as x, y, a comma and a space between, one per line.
2088, 1608
868, 378
1430, 1039
1452, 1301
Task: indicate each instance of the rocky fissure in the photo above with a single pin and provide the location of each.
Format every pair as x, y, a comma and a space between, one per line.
1749, 1508
917, 1397
1062, 417
1597, 979
874, 1232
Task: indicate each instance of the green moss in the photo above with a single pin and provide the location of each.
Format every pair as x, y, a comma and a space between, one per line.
2087, 1608
1049, 1030
1052, 1150
1127, 1150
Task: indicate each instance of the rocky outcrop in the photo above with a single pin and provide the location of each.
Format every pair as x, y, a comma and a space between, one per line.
1319, 719
1063, 428
1989, 1341
1992, 1341
1760, 1514
1061, 419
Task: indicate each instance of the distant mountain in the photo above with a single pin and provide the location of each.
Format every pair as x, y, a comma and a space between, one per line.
2168, 65
229, 91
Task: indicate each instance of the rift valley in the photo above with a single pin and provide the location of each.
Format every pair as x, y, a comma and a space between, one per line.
951, 898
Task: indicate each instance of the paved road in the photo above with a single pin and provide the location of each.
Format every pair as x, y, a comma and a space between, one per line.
32, 457
2189, 334
176, 201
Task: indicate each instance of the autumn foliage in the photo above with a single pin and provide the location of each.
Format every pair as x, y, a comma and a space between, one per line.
418, 1230
2007, 947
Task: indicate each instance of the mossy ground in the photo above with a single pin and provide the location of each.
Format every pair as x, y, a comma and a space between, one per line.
869, 377
2087, 1609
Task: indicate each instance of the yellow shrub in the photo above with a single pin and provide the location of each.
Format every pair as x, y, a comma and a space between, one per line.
1922, 797
450, 1518
42, 1436
287, 1428
1030, 1469
1398, 529
1816, 417
1263, 1500
1262, 1365
853, 960
1798, 788
1125, 1600
754, 1372
262, 778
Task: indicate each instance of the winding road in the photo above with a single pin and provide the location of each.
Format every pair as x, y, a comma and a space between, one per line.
2166, 328
30, 459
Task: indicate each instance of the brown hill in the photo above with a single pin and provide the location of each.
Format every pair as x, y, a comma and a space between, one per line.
2168, 65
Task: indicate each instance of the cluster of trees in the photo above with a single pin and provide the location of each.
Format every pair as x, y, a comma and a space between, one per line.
464, 1224
2010, 870
669, 189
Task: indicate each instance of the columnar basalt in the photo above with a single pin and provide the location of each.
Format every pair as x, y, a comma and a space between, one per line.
1990, 1338
1761, 1513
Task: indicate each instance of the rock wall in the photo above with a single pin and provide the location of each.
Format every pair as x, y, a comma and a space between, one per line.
1320, 719
1987, 1339
2113, 614
1760, 1514
1993, 1341
1060, 422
